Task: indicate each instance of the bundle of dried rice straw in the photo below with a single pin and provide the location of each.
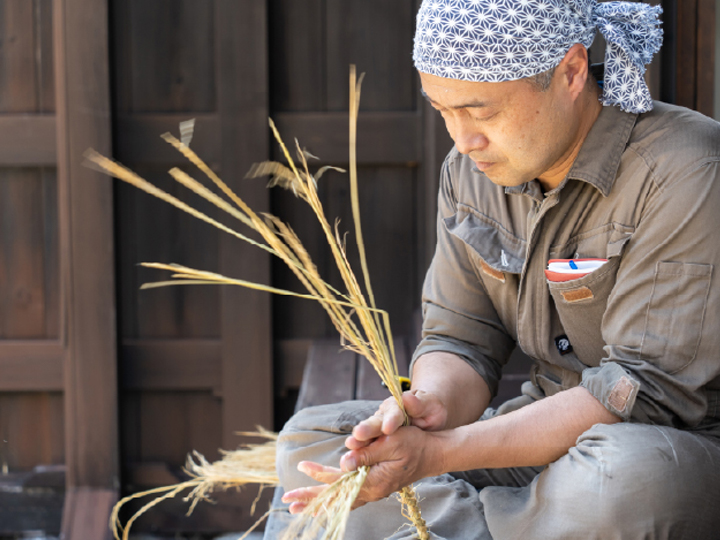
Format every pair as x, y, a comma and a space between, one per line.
363, 327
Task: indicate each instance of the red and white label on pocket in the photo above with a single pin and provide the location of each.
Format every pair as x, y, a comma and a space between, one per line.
569, 269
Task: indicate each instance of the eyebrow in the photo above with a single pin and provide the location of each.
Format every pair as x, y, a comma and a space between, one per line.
468, 105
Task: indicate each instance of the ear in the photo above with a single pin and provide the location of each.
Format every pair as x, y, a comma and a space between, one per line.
574, 69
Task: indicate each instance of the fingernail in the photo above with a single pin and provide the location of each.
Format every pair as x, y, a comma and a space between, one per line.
350, 462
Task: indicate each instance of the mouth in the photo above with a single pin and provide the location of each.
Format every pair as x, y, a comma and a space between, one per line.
483, 165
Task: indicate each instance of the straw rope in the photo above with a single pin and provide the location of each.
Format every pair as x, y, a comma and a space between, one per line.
363, 327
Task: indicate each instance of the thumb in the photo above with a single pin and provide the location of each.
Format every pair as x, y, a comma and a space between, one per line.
357, 458
416, 403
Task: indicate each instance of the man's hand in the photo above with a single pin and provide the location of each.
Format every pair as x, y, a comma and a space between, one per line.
425, 411
396, 461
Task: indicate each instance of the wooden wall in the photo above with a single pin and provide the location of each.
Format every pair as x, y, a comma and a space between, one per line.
117, 384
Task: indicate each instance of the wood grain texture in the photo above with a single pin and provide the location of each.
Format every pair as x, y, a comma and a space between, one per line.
87, 513
31, 430
172, 364
31, 365
383, 138
706, 65
27, 139
377, 36
138, 137
87, 266
154, 231
171, 62
22, 264
369, 386
26, 62
329, 375
686, 50
297, 32
245, 320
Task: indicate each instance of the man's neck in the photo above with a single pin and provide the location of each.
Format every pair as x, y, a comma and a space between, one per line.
554, 176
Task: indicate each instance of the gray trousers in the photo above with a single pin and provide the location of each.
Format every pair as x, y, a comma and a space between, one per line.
622, 481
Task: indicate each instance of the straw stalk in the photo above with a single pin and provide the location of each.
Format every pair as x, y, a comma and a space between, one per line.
363, 327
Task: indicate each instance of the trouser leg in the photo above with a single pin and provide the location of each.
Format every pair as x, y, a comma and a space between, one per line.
621, 481
449, 505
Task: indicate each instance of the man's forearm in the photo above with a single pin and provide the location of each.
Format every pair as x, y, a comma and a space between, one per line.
535, 435
464, 392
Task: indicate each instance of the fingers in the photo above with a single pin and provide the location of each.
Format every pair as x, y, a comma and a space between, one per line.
425, 410
301, 497
369, 429
385, 421
321, 473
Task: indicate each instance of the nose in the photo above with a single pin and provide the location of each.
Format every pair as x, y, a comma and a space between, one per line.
467, 136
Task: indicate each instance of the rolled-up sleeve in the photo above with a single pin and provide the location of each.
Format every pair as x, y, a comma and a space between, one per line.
458, 316
662, 322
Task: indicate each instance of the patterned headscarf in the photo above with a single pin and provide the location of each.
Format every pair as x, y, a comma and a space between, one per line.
504, 40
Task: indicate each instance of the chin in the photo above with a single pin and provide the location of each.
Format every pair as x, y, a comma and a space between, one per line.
505, 181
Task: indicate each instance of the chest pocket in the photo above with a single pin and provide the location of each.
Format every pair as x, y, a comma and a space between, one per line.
581, 302
497, 256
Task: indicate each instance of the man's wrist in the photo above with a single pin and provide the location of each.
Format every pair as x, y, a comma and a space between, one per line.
439, 455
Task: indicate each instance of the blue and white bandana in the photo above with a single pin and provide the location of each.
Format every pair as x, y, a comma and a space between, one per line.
505, 40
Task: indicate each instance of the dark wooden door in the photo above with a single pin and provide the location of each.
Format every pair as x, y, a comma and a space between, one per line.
399, 149
194, 362
57, 311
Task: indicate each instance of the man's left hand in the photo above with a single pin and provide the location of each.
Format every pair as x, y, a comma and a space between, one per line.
395, 461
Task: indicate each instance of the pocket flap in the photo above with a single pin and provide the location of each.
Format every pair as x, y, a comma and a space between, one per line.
617, 242
497, 247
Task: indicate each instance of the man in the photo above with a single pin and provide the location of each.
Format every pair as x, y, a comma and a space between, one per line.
618, 434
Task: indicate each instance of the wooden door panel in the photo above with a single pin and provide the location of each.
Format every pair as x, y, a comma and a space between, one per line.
194, 367
31, 430
26, 57
159, 427
170, 55
29, 271
151, 230
297, 69
377, 36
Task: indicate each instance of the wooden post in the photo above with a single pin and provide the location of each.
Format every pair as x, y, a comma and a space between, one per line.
247, 389
87, 268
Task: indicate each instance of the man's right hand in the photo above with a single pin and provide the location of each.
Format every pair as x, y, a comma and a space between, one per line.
424, 409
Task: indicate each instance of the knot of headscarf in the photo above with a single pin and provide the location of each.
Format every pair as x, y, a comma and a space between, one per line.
632, 36
504, 40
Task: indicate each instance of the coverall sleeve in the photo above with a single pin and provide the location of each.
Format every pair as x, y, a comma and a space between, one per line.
662, 322
458, 316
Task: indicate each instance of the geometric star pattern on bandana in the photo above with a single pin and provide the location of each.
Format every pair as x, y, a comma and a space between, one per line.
502, 40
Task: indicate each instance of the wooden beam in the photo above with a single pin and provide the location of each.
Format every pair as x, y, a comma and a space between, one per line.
290, 356
329, 375
247, 387
368, 383
31, 366
138, 138
685, 47
177, 364
86, 513
384, 138
705, 54
27, 139
80, 34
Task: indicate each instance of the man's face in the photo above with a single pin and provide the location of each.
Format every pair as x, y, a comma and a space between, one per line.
512, 131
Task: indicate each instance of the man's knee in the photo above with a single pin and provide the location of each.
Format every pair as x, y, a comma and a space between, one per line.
639, 481
317, 434
625, 481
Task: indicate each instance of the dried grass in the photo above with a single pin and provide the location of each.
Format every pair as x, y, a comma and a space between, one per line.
363, 327
251, 464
